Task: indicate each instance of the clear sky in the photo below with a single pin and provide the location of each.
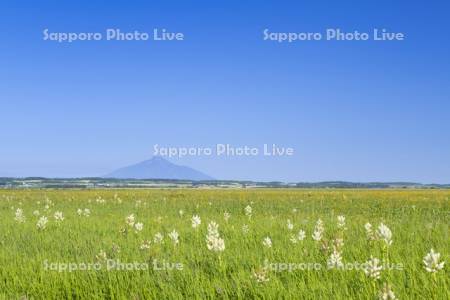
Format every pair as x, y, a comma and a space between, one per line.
352, 110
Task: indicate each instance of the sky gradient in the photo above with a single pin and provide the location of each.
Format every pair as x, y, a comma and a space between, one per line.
353, 110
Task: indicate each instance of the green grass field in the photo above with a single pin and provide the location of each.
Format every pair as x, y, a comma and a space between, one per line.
113, 255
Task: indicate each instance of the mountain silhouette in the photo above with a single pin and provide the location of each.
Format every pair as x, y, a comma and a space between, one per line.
158, 168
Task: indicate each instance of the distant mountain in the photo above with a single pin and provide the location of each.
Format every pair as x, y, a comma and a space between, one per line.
158, 168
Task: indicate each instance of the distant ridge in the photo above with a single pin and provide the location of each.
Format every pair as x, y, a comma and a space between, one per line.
158, 168
102, 182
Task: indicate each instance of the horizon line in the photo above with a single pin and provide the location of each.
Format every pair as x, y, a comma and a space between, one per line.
222, 180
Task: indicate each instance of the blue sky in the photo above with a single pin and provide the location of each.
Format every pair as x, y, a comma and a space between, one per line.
353, 110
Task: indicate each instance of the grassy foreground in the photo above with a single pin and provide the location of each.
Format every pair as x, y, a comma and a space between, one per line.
123, 244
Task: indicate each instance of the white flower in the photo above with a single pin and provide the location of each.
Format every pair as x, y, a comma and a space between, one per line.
213, 229
58, 216
49, 202
19, 217
317, 235
138, 227
289, 225
216, 244
341, 222
301, 235
267, 242
248, 211
293, 239
36, 213
213, 240
386, 293
294, 210
158, 238
145, 245
181, 212
226, 216
369, 231
431, 262
385, 234
318, 231
245, 228
174, 237
100, 200
339, 243
372, 268
87, 212
196, 221
260, 275
335, 260
130, 220
42, 223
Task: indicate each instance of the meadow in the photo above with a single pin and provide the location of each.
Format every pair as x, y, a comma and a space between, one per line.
226, 244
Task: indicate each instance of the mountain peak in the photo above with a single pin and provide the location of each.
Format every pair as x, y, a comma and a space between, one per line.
157, 159
158, 168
